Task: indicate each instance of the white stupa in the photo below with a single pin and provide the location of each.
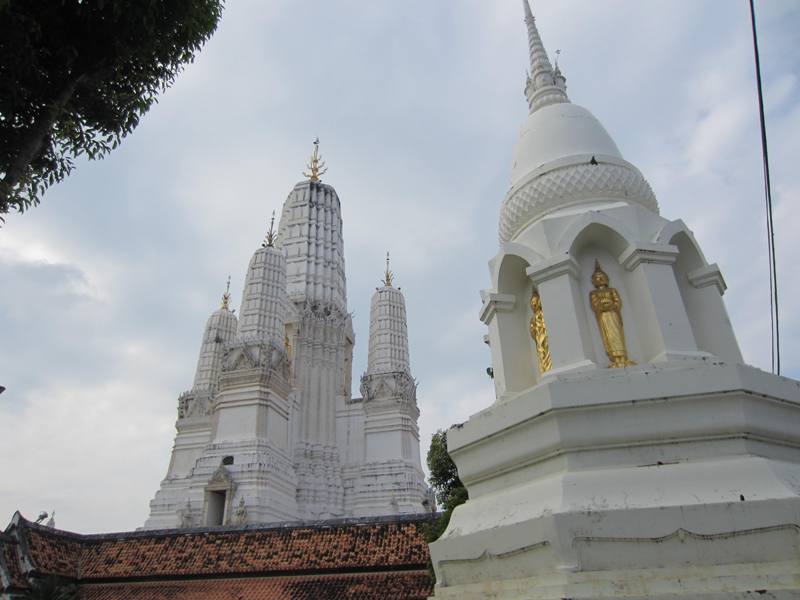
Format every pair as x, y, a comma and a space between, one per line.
675, 474
269, 432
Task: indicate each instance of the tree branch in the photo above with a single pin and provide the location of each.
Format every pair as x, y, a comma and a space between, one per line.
32, 144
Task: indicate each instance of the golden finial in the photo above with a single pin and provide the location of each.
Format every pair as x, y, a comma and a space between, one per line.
389, 276
269, 241
316, 165
226, 297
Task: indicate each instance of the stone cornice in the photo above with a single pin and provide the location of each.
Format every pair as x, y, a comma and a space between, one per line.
494, 302
707, 275
635, 254
552, 268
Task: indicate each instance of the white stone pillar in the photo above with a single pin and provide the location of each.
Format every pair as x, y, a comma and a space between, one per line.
713, 330
661, 320
495, 314
556, 280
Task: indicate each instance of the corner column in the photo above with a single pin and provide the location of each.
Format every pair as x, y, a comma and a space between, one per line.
568, 332
661, 319
714, 333
495, 307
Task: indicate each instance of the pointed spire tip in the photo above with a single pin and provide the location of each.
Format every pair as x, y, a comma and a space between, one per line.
226, 297
388, 276
269, 240
316, 165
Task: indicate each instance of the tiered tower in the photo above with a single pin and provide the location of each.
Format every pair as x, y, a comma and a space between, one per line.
391, 472
629, 452
171, 505
321, 333
269, 427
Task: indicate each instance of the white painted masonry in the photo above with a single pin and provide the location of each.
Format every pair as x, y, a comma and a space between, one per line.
391, 471
269, 432
677, 477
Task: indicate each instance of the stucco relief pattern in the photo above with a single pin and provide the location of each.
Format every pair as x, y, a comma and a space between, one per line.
575, 183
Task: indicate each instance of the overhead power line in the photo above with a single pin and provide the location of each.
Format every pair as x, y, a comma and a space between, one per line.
775, 336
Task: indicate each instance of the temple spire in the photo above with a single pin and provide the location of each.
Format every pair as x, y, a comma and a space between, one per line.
388, 276
269, 241
316, 165
226, 297
544, 85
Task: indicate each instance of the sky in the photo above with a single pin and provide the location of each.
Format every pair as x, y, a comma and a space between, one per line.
107, 285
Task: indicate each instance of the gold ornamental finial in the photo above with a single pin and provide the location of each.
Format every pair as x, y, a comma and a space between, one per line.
389, 276
269, 241
316, 165
226, 297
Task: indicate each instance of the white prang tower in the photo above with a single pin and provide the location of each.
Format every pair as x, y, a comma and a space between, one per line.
629, 453
269, 431
391, 471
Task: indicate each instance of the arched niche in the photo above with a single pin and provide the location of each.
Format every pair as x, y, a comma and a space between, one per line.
701, 287
516, 351
594, 225
668, 233
510, 250
601, 240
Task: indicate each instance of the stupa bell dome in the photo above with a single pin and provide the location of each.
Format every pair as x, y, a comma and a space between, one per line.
564, 155
556, 132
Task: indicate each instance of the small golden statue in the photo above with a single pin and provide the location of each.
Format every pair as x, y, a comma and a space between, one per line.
607, 307
539, 334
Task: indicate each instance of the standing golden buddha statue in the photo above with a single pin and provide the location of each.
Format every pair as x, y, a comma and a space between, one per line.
607, 307
539, 334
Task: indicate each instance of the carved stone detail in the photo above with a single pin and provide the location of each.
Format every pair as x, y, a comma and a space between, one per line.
397, 384
571, 184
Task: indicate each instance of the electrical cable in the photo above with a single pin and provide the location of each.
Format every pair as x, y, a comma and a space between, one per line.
773, 273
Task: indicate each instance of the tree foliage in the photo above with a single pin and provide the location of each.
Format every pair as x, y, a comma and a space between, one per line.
444, 480
77, 75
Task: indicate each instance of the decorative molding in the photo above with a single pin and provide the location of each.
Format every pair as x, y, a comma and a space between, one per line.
746, 545
552, 268
572, 184
471, 564
495, 303
708, 275
636, 254
395, 384
194, 403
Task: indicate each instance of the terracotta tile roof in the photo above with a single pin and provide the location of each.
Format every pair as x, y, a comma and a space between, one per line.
9, 564
283, 550
414, 585
352, 557
53, 554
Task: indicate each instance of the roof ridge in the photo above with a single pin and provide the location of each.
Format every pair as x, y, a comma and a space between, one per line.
255, 527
